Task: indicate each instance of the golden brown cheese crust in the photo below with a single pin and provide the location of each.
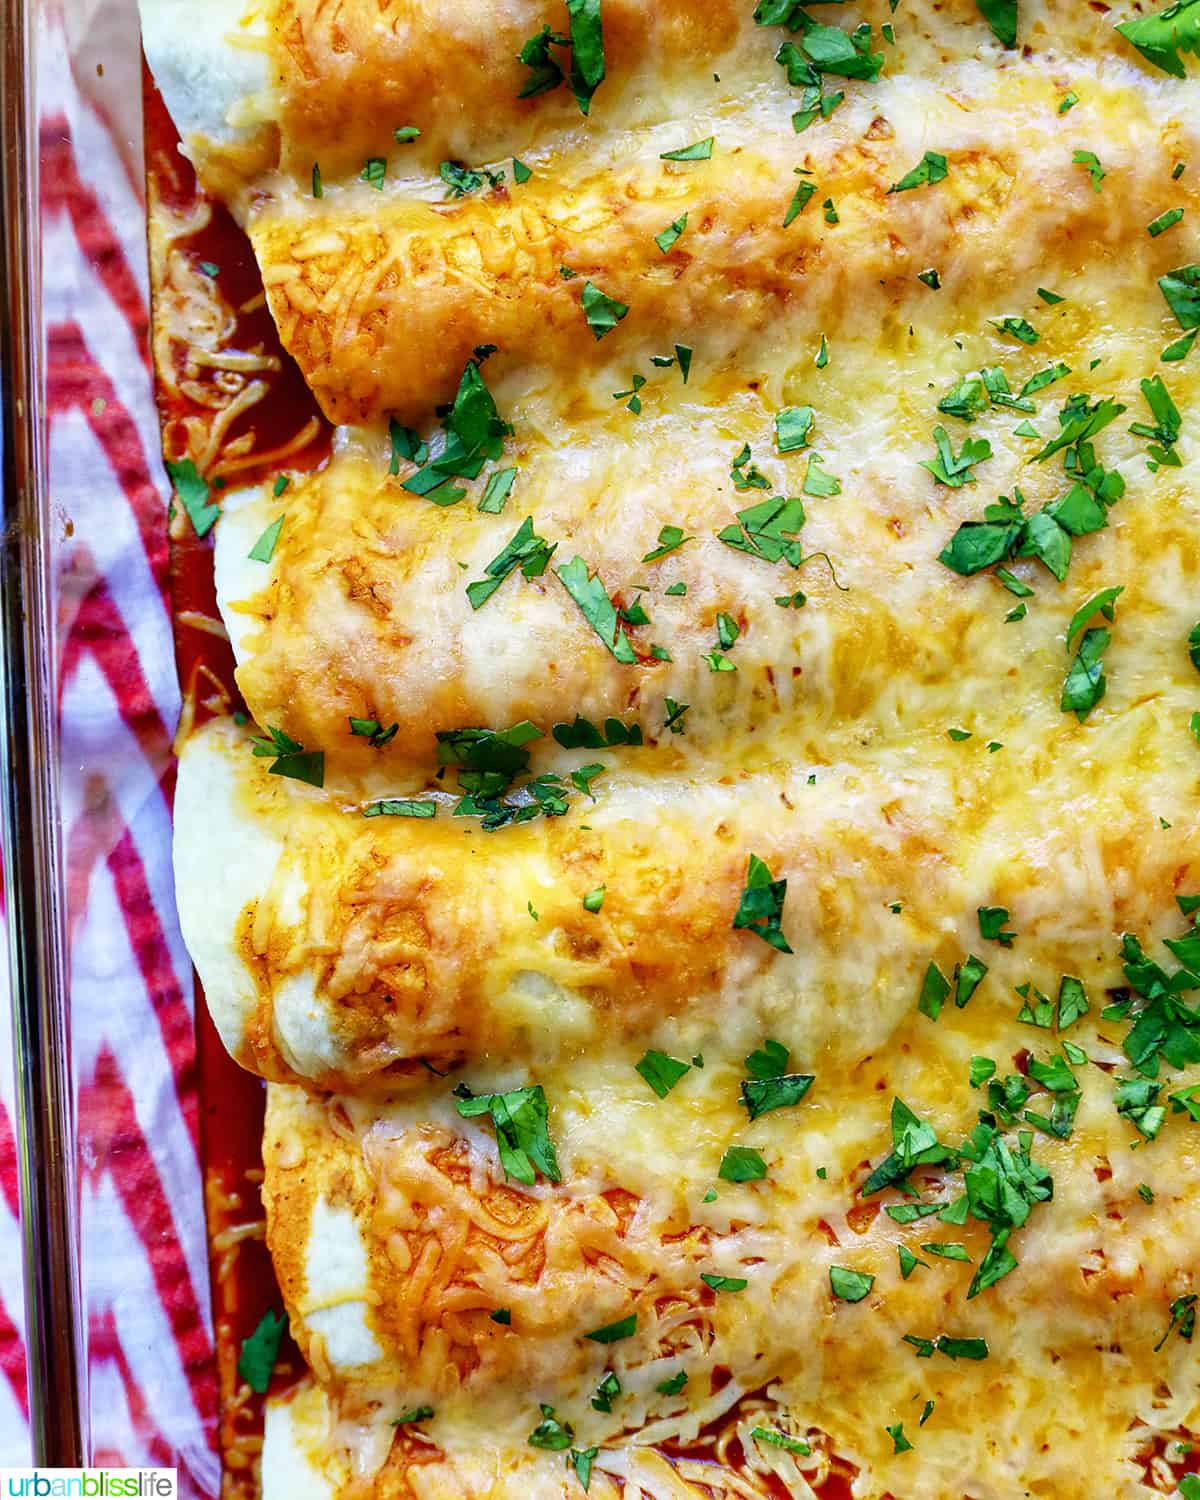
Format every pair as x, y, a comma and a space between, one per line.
382, 302
348, 76
359, 950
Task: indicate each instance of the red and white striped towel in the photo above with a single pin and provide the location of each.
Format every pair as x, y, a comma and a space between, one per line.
153, 1395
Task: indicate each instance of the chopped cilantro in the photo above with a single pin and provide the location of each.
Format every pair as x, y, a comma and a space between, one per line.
761, 1095
291, 759
474, 430
931, 278
669, 539
623, 1328
760, 909
1017, 328
1001, 16
581, 1460
1085, 684
602, 312
597, 608
991, 925
666, 239
804, 191
414, 1414
496, 491
1162, 38
768, 530
673, 1385
373, 730
931, 168
1091, 162
697, 151
779, 1439
1181, 287
914, 1143
1183, 1320
524, 550
521, 173
264, 549
661, 1071
793, 426
520, 1119
742, 1164
192, 489
934, 989
848, 1285
724, 1283
260, 1351
550, 1433
373, 172
584, 735
951, 470
1166, 220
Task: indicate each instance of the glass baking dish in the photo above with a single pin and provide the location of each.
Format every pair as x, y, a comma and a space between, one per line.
115, 1320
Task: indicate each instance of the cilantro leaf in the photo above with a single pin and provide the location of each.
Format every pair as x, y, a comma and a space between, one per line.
768, 530
587, 50
550, 1433
914, 1143
742, 1164
761, 1095
264, 549
769, 1061
521, 1121
192, 490
848, 1285
1017, 328
779, 1439
931, 168
760, 909
661, 1071
666, 239
1091, 161
991, 925
597, 608
1085, 683
954, 471
1163, 37
1101, 602
934, 989
1001, 16
602, 312
793, 426
525, 550
475, 432
581, 1460
697, 151
291, 759
724, 1283
669, 538
1181, 287
623, 1328
260, 1351
400, 807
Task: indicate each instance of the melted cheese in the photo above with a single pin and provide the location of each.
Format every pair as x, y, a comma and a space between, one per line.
344, 954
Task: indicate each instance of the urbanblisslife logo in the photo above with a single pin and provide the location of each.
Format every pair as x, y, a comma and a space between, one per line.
90, 1484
